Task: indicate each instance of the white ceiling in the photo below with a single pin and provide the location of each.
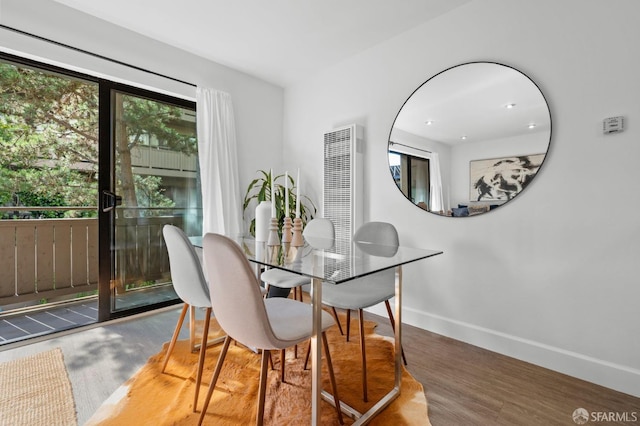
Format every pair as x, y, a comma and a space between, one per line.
279, 41
471, 100
283, 41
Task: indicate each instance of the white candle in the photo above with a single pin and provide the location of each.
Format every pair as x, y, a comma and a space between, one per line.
298, 194
286, 194
273, 196
263, 218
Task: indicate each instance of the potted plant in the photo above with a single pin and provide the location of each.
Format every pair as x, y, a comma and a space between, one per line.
260, 190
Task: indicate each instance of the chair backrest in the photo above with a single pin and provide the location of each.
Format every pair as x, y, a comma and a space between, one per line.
382, 233
319, 227
377, 233
235, 295
186, 270
319, 233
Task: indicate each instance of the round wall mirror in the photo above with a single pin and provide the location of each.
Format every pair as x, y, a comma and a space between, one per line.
469, 139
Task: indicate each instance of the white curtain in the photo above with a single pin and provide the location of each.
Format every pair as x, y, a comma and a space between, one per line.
422, 182
218, 162
437, 203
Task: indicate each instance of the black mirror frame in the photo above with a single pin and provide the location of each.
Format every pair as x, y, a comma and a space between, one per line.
389, 142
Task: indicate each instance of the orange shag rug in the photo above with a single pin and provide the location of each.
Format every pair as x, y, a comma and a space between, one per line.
153, 398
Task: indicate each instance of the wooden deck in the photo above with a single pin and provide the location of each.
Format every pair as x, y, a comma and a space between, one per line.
47, 319
39, 321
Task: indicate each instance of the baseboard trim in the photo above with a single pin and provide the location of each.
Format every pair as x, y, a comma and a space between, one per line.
614, 376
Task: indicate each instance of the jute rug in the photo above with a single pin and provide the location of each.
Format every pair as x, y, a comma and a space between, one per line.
36, 390
152, 398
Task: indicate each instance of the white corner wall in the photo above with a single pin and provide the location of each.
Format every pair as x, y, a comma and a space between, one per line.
258, 105
551, 278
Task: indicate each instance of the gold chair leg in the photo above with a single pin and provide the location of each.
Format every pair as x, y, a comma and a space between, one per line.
306, 358
203, 350
393, 327
214, 379
174, 338
332, 377
335, 316
263, 388
364, 355
192, 329
271, 361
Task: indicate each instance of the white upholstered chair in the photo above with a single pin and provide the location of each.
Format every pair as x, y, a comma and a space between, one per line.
190, 285
248, 318
367, 291
320, 233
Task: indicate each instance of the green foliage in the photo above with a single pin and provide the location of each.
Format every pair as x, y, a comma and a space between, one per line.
139, 284
149, 118
49, 140
48, 126
35, 199
149, 193
87, 294
260, 190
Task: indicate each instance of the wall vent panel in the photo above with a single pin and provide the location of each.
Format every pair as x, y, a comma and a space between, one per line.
342, 189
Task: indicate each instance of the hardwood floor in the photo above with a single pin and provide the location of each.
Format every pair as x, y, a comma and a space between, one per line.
468, 385
464, 384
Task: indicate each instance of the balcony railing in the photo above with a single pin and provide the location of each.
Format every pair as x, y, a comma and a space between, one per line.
141, 253
54, 258
158, 159
47, 258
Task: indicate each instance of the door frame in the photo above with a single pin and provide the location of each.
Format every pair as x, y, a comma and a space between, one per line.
106, 182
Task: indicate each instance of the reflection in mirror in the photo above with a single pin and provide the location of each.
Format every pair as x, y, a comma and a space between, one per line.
469, 139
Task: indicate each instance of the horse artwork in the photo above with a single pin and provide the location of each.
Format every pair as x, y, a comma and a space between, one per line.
501, 179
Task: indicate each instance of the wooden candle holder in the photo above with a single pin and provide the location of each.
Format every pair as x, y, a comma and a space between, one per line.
297, 240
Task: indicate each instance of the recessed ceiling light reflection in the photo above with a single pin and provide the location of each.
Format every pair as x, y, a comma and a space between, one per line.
532, 126
463, 137
510, 106
428, 122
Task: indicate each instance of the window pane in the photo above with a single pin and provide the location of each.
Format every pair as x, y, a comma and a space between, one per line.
156, 175
48, 188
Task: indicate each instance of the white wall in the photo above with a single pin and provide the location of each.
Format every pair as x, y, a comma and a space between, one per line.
551, 278
258, 106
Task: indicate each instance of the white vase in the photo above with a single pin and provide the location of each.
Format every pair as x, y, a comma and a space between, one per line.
263, 219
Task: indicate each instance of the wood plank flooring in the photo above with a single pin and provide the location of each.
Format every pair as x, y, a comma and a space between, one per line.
468, 385
464, 384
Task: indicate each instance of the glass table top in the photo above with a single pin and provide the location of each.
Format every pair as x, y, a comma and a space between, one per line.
331, 260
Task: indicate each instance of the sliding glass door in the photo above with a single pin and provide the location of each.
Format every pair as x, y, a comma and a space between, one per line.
90, 172
154, 169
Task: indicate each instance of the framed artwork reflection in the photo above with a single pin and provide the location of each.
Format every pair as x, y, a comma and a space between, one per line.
501, 179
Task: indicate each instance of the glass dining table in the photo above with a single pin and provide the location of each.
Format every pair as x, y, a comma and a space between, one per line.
335, 262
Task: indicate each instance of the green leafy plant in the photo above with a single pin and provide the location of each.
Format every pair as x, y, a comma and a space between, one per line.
260, 190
